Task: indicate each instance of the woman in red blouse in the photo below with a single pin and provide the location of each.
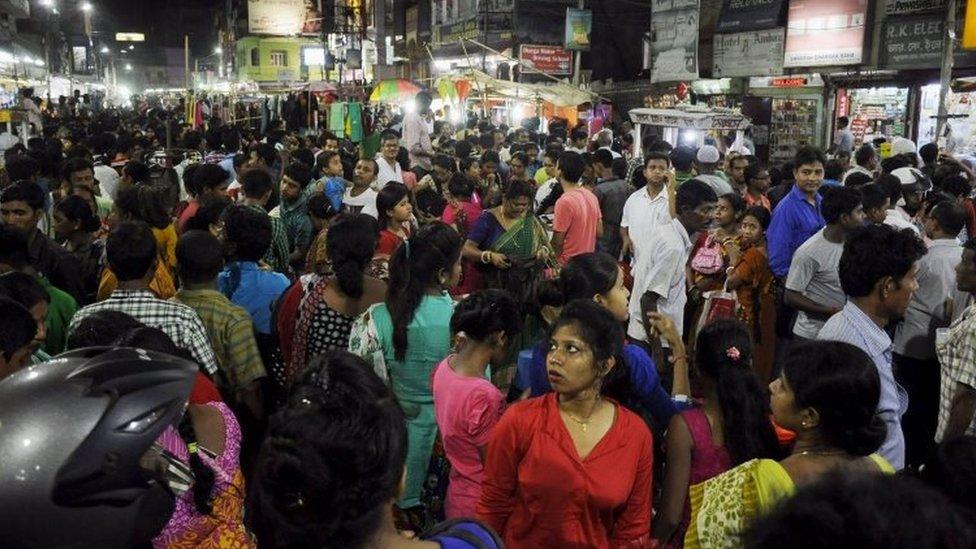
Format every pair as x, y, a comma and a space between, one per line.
394, 210
572, 468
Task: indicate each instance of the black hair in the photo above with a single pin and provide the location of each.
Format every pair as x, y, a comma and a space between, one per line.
957, 185
17, 327
951, 469
857, 180
737, 202
891, 186
199, 256
388, 135
209, 213
838, 201
130, 250
306, 156
833, 170
892, 163
461, 186
950, 215
465, 163
154, 339
414, 268
13, 248
299, 173
238, 161
693, 193
808, 155
24, 289
76, 208
723, 354
870, 511
597, 327
841, 382
929, 153
322, 162
462, 149
138, 171
603, 157
349, 244
101, 328
143, 203
265, 152
571, 165
872, 196
192, 139
444, 161
874, 252
249, 231
656, 156
583, 277
319, 206
255, 182
25, 191
753, 170
519, 188
327, 136
490, 156
210, 176
75, 164
189, 181
487, 312
387, 199
332, 458
22, 166
864, 154
761, 215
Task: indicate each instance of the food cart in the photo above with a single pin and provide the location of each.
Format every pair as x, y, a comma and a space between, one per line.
688, 125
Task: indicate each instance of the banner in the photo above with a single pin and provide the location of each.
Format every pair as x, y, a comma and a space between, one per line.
552, 60
579, 26
283, 17
747, 15
825, 32
674, 36
915, 42
756, 53
901, 7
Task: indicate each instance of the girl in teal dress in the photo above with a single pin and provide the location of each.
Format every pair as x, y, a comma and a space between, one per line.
409, 333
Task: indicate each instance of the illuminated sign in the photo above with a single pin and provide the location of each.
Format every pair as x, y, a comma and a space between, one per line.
130, 37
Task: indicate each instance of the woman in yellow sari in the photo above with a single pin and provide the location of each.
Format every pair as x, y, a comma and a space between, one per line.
828, 395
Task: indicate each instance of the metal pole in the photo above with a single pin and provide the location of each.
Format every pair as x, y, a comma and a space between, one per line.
186, 60
577, 55
948, 46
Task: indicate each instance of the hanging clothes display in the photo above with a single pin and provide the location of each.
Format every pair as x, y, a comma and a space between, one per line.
337, 118
354, 124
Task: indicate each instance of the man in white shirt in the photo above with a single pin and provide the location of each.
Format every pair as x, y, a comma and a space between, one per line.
706, 164
659, 276
360, 196
416, 135
843, 138
389, 169
577, 141
916, 365
866, 162
813, 281
604, 139
647, 208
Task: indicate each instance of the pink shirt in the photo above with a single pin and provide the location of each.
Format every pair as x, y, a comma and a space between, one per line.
466, 409
577, 214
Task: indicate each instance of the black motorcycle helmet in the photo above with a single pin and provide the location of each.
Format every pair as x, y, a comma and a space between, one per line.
72, 433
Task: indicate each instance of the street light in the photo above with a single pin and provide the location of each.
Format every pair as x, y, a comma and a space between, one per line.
218, 49
131, 47
47, 3
86, 6
128, 67
104, 49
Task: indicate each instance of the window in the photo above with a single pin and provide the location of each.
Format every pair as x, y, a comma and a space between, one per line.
279, 59
255, 57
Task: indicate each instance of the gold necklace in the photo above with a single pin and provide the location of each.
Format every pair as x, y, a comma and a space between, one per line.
583, 424
820, 453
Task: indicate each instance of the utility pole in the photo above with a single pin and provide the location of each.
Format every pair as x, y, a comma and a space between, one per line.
578, 55
186, 60
948, 46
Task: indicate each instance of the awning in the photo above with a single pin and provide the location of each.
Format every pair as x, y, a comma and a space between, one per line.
561, 95
693, 119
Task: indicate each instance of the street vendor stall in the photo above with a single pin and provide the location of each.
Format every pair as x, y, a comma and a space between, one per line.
687, 125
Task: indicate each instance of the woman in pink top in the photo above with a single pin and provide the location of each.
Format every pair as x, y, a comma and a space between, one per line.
466, 404
461, 213
729, 426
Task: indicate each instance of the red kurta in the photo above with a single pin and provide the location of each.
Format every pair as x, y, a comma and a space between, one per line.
538, 493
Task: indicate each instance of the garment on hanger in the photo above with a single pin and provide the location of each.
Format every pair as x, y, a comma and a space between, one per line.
337, 118
354, 125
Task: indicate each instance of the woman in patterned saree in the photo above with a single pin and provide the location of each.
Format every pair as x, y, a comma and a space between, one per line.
828, 395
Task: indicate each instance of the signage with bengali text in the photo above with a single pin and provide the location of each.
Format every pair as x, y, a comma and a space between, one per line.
754, 53
674, 40
825, 33
901, 7
915, 42
746, 15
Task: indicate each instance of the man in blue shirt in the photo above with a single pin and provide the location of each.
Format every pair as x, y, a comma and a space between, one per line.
797, 217
878, 271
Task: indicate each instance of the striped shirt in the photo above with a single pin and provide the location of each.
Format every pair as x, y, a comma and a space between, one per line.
177, 321
231, 334
852, 325
957, 357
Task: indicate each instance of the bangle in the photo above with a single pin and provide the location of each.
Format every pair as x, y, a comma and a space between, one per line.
677, 357
486, 257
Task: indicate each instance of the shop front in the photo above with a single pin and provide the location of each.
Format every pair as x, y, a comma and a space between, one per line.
959, 132
876, 112
787, 112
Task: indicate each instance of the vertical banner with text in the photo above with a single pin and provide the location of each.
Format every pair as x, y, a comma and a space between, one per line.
674, 35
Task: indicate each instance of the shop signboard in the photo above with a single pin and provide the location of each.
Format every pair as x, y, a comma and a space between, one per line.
901, 7
748, 53
674, 40
915, 42
456, 32
579, 27
283, 17
825, 33
745, 15
552, 60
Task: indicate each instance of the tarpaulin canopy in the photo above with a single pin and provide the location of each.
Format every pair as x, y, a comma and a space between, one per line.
561, 95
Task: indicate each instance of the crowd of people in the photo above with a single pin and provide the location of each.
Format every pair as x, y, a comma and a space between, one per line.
479, 336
